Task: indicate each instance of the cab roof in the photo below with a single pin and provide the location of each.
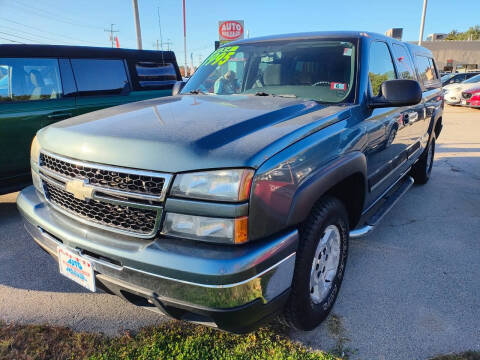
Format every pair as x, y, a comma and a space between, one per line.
29, 50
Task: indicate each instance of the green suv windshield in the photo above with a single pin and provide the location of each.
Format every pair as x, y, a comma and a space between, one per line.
321, 70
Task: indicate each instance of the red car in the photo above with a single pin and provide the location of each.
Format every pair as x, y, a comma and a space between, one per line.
471, 97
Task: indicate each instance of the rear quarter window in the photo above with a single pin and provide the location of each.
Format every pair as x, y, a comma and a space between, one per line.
427, 71
153, 75
100, 76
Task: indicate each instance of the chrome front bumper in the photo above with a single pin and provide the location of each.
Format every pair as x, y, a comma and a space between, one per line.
185, 274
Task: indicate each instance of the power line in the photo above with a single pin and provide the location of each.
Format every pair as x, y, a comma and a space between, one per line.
27, 33
49, 15
18, 42
17, 36
48, 32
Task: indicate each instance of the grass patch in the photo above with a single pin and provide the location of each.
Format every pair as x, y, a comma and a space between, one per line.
172, 340
468, 355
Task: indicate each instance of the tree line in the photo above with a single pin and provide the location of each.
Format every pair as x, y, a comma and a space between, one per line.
473, 33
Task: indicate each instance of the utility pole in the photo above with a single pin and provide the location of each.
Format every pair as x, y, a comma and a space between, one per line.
184, 39
420, 39
137, 24
111, 31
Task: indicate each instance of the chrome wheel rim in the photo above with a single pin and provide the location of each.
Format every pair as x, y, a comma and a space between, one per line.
325, 264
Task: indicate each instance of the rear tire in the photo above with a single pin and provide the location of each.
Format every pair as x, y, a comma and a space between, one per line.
320, 265
422, 169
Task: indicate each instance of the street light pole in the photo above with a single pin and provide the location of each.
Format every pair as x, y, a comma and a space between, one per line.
184, 40
137, 24
420, 39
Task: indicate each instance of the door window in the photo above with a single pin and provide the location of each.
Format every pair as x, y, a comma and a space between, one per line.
97, 76
29, 79
405, 66
380, 67
426, 70
152, 75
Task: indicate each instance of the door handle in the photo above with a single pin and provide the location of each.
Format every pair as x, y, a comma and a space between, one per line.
58, 116
410, 117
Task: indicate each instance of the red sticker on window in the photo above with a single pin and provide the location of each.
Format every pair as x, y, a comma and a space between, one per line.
338, 86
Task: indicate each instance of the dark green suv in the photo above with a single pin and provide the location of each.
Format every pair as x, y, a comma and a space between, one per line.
40, 85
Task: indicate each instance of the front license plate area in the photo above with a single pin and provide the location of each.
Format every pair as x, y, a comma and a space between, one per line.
76, 268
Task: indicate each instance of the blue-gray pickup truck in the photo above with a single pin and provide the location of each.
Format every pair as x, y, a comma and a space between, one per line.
233, 200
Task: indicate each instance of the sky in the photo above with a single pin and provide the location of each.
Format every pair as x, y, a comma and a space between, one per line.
83, 22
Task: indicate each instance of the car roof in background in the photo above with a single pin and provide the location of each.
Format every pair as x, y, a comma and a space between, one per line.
17, 50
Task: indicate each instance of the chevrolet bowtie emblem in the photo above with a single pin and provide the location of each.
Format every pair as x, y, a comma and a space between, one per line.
79, 189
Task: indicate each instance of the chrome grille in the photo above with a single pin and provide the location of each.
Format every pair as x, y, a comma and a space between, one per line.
121, 217
121, 200
142, 184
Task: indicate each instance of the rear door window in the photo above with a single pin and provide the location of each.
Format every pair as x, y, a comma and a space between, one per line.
404, 64
427, 71
29, 79
153, 75
100, 76
380, 67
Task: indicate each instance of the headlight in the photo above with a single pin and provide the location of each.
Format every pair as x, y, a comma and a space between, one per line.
218, 230
35, 153
220, 185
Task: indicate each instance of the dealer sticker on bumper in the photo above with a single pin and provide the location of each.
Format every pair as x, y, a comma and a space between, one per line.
76, 268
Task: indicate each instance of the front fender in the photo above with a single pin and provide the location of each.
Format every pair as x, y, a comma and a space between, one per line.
324, 179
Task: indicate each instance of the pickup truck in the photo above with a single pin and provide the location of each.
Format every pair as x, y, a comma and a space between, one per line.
233, 201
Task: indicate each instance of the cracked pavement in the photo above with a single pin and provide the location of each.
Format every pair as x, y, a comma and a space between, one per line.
411, 289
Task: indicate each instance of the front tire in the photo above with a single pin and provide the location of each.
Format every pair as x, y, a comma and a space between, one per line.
320, 265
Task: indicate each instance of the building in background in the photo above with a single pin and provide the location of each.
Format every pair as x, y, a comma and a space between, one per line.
452, 55
396, 33
436, 36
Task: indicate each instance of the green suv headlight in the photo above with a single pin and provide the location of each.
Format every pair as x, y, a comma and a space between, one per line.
219, 185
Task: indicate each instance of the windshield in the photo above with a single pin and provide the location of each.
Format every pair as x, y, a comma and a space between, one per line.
321, 70
472, 80
446, 77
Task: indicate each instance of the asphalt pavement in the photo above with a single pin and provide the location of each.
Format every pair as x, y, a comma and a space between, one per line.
411, 289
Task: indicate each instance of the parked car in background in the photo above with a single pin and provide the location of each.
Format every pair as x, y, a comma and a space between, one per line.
453, 92
471, 97
457, 77
234, 200
43, 84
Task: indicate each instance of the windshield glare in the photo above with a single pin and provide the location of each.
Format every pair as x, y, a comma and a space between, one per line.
321, 70
472, 80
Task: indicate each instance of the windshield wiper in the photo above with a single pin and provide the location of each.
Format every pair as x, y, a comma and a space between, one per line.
196, 92
262, 93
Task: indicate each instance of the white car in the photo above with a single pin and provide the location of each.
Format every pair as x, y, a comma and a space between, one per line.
453, 92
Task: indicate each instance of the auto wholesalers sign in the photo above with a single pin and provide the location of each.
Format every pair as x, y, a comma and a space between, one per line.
230, 30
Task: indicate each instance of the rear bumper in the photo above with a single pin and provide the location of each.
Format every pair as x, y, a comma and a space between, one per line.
233, 288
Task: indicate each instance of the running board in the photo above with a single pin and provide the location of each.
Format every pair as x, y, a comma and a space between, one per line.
390, 202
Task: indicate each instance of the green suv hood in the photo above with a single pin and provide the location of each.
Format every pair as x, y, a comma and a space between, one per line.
189, 132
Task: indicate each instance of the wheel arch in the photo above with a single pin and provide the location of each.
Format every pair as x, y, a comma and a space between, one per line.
344, 178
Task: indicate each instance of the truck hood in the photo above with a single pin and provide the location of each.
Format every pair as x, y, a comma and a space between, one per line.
189, 132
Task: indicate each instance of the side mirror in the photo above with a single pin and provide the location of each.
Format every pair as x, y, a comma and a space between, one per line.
177, 87
397, 93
